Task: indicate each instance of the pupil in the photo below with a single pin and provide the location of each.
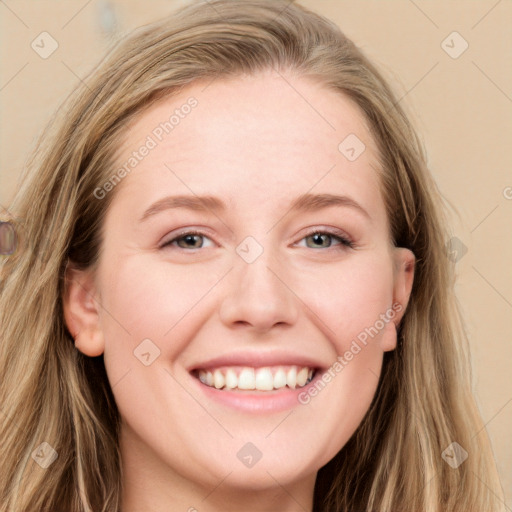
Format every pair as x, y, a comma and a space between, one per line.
191, 239
317, 238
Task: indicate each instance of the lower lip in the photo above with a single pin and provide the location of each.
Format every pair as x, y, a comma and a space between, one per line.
257, 401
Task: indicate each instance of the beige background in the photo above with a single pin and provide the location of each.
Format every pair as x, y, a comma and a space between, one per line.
462, 107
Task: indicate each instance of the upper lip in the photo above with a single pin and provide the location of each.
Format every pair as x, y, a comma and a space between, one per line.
258, 359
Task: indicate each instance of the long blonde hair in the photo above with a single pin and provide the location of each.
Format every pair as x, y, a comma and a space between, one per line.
51, 393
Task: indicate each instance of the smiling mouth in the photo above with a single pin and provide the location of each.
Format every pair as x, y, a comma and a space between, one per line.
267, 378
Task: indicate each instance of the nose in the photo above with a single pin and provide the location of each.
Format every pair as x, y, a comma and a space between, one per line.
258, 297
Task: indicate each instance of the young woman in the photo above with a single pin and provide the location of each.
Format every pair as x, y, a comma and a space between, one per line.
230, 290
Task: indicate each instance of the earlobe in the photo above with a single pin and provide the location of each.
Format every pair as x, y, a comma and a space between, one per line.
389, 337
403, 280
90, 342
81, 311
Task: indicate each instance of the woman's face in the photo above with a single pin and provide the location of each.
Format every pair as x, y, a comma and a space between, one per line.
246, 251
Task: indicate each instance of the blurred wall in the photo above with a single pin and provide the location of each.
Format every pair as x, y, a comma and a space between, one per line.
449, 62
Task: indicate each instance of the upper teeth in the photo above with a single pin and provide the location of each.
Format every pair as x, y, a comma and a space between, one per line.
263, 379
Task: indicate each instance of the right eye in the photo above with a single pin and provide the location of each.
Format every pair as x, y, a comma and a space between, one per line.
187, 240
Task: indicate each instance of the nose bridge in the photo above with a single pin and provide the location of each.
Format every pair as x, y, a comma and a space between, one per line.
260, 277
257, 294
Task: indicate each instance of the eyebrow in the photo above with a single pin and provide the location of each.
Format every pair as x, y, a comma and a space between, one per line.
305, 203
196, 203
313, 202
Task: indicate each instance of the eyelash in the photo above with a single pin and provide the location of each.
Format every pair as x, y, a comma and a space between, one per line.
338, 235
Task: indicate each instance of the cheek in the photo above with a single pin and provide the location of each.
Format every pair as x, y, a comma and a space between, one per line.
351, 299
153, 300
149, 314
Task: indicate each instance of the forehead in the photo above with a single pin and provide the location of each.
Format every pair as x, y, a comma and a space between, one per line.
252, 138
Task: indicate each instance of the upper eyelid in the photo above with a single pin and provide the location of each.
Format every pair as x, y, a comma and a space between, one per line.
336, 232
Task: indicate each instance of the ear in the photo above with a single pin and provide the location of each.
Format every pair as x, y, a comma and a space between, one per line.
81, 307
403, 279
404, 262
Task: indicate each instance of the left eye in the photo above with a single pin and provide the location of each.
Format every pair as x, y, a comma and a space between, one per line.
324, 240
190, 240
